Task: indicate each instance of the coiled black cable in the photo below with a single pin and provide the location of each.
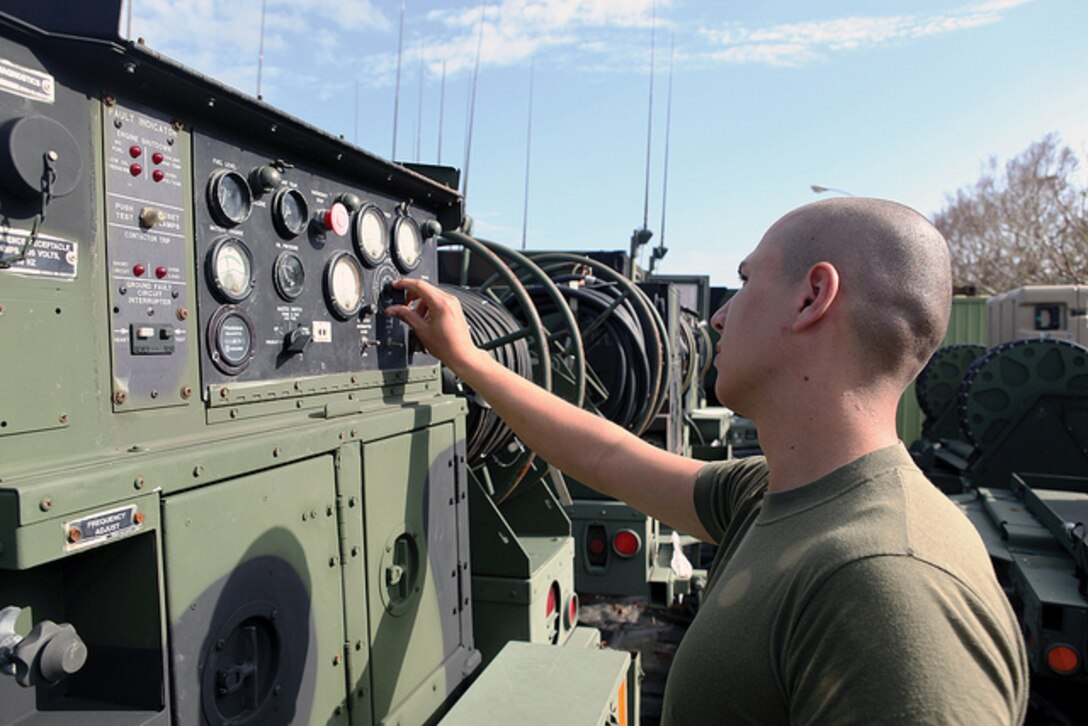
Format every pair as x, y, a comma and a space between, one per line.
488, 321
617, 360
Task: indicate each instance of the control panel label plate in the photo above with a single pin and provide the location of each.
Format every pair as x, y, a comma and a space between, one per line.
26, 82
100, 527
47, 256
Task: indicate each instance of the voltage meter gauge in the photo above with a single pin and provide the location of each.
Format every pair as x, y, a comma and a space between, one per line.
231, 336
407, 243
371, 235
229, 198
230, 269
289, 276
290, 213
344, 285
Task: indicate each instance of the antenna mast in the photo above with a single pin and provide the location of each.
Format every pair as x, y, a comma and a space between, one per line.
661, 250
641, 236
260, 51
528, 147
649, 120
472, 101
441, 110
396, 92
419, 118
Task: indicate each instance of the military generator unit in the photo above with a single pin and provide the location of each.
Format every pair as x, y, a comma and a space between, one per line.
232, 490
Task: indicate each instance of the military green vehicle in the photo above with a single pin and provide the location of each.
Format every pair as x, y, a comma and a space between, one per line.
1006, 435
232, 491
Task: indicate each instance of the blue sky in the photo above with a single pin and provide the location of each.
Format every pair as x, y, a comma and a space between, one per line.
902, 100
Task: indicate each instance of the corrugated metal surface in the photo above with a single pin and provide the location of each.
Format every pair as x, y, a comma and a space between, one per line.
966, 325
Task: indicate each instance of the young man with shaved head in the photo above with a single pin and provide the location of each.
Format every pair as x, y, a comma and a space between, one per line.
846, 589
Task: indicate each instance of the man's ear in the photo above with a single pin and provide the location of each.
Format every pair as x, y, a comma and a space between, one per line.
821, 287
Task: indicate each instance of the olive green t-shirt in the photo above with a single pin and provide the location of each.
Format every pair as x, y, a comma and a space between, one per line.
865, 596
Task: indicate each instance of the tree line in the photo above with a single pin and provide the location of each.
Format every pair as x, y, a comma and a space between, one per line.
1023, 223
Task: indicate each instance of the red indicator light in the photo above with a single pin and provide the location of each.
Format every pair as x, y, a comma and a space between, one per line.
135, 151
160, 272
553, 600
156, 157
596, 546
572, 611
135, 170
138, 270
337, 219
626, 543
158, 175
1062, 659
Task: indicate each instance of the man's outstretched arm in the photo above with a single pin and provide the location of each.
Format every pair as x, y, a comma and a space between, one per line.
594, 451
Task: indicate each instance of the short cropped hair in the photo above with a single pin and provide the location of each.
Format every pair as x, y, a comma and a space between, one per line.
894, 271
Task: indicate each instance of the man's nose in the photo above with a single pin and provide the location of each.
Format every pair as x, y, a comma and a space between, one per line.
717, 320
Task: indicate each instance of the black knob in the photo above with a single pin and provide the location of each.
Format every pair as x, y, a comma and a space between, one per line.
351, 201
264, 179
297, 340
392, 296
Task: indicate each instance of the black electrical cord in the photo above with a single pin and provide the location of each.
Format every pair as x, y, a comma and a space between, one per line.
488, 321
615, 345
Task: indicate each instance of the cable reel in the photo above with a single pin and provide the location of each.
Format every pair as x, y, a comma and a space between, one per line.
624, 336
490, 324
564, 337
693, 355
504, 321
1003, 385
938, 384
704, 343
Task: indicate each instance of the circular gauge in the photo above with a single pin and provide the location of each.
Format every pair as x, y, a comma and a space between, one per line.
230, 268
289, 275
344, 285
229, 198
407, 244
231, 335
290, 213
371, 235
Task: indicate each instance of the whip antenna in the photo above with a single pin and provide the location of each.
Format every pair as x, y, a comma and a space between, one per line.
661, 250
441, 110
528, 147
641, 236
649, 120
396, 92
419, 118
260, 51
472, 102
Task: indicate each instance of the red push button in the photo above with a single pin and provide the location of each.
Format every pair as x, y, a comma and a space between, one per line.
158, 175
135, 151
337, 219
135, 170
157, 157
138, 270
160, 272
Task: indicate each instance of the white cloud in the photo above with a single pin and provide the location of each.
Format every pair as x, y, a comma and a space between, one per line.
515, 30
793, 44
349, 39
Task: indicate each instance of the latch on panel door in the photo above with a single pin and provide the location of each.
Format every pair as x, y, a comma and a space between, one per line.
400, 572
